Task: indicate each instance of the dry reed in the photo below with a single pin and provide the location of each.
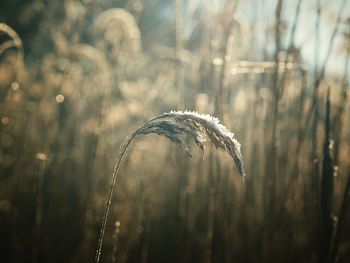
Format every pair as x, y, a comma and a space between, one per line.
327, 186
173, 126
15, 39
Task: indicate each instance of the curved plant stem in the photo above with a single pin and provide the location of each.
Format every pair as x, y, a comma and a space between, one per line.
123, 149
173, 125
122, 152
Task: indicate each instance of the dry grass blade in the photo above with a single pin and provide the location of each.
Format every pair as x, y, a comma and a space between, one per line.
15, 39
174, 126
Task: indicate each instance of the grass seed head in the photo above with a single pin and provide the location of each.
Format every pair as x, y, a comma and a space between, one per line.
200, 127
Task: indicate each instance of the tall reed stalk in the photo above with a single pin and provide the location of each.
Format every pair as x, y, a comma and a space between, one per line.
343, 100
327, 186
173, 126
340, 223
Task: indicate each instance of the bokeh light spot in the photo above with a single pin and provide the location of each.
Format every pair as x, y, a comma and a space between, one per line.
14, 86
5, 120
41, 156
59, 98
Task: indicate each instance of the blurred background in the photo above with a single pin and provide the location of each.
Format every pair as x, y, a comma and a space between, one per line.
76, 77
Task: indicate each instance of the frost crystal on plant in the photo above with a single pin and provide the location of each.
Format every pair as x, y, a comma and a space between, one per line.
199, 127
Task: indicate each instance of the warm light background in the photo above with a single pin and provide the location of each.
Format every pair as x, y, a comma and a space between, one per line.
76, 77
